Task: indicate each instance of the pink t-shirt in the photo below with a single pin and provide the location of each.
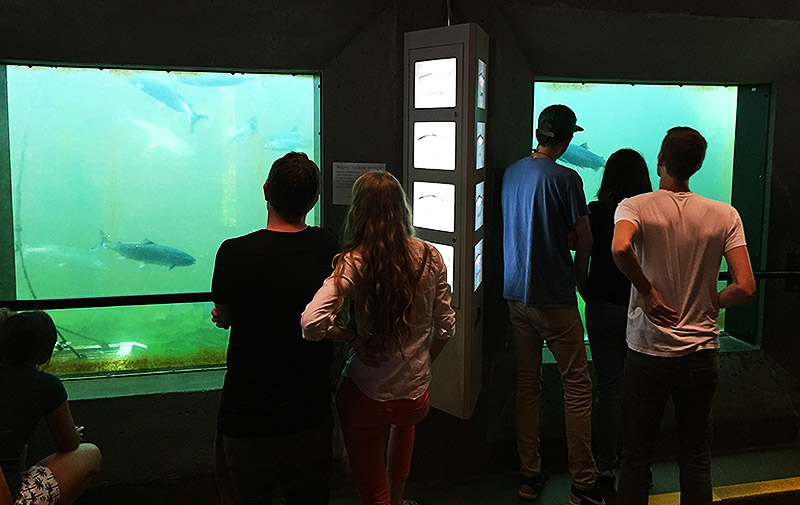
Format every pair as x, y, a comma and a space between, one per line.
405, 376
680, 240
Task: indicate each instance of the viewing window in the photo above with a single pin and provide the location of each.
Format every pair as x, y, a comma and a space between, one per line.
637, 116
125, 182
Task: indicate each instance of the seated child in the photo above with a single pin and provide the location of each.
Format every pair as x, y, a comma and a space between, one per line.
28, 395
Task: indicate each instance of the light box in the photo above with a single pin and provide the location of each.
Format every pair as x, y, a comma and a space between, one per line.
434, 206
435, 145
435, 84
448, 254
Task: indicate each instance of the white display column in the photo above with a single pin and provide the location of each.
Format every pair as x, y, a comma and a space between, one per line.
444, 174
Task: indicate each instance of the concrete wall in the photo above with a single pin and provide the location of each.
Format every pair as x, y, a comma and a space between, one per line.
781, 337
359, 50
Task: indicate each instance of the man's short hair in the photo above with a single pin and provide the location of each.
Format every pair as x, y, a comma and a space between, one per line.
682, 152
546, 141
294, 185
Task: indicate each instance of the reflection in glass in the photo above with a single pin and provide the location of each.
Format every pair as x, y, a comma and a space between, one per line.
448, 254
478, 206
435, 145
481, 84
478, 264
434, 206
435, 83
480, 140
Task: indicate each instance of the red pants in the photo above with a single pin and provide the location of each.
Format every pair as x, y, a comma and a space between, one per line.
364, 422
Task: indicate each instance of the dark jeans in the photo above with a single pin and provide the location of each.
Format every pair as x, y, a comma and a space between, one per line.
605, 325
649, 382
247, 469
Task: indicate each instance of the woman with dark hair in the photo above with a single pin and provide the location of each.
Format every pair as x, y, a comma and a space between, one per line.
398, 285
607, 294
28, 395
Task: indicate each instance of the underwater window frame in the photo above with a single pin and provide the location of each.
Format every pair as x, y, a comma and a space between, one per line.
7, 231
749, 193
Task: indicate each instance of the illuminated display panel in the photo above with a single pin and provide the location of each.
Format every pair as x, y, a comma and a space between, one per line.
435, 84
435, 145
478, 264
125, 182
448, 254
480, 141
434, 206
478, 206
481, 84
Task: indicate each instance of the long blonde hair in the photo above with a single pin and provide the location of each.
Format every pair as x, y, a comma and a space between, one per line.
379, 228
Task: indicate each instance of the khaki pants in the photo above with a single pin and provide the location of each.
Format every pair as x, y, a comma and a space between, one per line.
561, 328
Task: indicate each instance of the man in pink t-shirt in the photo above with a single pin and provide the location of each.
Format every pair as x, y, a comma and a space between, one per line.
670, 244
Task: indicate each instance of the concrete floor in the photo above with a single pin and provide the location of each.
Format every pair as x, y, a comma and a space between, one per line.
727, 470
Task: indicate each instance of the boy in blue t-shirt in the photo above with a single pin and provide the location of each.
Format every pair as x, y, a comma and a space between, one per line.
544, 210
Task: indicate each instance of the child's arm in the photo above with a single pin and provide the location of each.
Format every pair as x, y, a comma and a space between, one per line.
63, 429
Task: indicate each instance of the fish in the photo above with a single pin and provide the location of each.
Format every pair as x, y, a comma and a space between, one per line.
292, 140
581, 157
146, 252
214, 80
161, 136
63, 256
166, 94
244, 132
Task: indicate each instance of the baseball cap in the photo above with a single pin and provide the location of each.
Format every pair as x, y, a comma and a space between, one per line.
558, 122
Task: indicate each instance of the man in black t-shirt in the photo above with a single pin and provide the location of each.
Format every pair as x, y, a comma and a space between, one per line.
274, 419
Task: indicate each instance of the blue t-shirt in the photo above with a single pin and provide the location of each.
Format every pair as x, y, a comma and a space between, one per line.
541, 202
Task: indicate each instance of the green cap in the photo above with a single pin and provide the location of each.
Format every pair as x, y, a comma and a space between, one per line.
558, 122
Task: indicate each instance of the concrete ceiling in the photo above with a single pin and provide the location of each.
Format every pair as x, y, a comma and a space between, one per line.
270, 35
583, 44
773, 9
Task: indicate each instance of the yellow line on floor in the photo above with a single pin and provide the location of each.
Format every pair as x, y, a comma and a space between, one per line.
725, 494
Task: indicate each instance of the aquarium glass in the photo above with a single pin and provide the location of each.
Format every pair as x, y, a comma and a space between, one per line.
125, 182
616, 116
153, 337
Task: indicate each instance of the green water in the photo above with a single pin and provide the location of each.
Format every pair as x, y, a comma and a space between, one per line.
118, 152
616, 116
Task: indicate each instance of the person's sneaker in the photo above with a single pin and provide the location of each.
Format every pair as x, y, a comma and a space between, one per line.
410, 502
531, 487
593, 496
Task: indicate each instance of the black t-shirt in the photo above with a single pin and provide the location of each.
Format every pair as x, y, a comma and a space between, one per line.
605, 282
26, 396
276, 382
